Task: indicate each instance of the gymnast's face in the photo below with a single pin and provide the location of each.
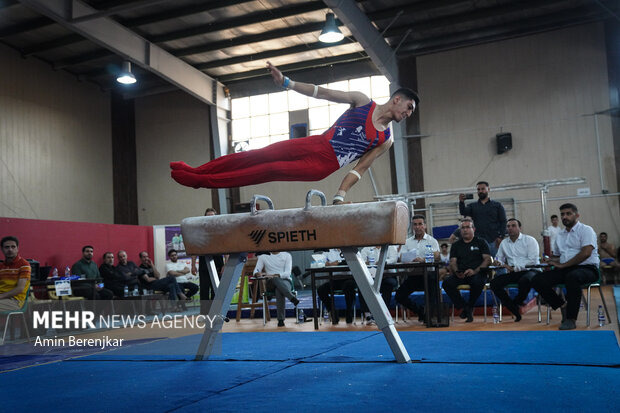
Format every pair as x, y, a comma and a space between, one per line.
403, 108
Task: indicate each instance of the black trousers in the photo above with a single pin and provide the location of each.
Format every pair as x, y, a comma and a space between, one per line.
476, 282
573, 277
388, 285
522, 278
168, 285
191, 287
348, 288
411, 284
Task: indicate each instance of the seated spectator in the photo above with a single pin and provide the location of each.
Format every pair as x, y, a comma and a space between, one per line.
181, 272
112, 279
388, 284
415, 249
87, 268
554, 229
469, 260
14, 275
151, 279
444, 258
348, 286
514, 254
607, 251
129, 270
277, 268
575, 263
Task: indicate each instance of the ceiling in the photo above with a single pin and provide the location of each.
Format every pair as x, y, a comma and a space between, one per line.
230, 40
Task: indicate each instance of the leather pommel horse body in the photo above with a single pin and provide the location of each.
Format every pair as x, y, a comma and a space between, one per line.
346, 226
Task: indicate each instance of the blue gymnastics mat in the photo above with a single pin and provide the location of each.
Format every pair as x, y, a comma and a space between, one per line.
506, 371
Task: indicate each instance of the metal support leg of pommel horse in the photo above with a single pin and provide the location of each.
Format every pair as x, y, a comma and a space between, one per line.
375, 302
219, 307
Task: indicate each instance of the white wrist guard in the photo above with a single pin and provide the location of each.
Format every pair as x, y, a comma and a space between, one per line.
337, 198
354, 172
316, 91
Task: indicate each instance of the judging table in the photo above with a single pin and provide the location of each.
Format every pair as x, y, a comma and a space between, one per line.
434, 316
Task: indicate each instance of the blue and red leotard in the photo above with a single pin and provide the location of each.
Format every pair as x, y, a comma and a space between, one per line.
306, 159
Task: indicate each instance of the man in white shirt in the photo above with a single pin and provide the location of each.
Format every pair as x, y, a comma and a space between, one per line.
277, 266
515, 253
370, 255
180, 271
414, 250
554, 229
575, 263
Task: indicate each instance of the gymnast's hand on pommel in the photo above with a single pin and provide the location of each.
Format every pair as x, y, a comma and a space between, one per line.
277, 76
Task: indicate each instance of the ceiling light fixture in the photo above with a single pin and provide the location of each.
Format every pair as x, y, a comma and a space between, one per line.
125, 76
330, 32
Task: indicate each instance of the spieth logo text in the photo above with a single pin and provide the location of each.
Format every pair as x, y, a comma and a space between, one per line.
277, 237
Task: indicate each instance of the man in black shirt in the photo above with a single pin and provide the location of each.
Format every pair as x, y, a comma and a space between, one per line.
112, 279
469, 259
129, 270
489, 216
207, 291
152, 280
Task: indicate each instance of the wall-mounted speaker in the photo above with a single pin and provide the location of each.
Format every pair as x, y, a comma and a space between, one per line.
504, 142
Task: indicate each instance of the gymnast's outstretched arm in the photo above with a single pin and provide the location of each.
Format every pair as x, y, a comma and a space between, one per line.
355, 99
358, 170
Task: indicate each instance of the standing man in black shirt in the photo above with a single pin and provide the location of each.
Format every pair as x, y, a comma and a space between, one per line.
207, 291
469, 259
489, 217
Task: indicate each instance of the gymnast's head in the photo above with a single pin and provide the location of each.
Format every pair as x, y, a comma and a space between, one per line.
403, 103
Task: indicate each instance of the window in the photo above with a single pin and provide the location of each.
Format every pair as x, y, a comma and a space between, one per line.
261, 120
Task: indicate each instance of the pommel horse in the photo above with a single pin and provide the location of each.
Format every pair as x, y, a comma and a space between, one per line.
347, 227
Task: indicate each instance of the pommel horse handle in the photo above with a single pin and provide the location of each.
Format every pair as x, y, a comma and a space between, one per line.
255, 198
309, 196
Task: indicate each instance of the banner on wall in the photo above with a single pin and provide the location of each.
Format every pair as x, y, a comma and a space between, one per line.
174, 241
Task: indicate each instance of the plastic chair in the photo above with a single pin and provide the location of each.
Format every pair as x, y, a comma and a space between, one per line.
22, 312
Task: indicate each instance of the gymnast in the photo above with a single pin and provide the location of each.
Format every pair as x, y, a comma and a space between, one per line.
361, 132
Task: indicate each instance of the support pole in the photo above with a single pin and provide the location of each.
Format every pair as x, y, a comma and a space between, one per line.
375, 304
219, 308
545, 232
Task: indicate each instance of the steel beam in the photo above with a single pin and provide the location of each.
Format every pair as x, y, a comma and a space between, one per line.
128, 45
365, 33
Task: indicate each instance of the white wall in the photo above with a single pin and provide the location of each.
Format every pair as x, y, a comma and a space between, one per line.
55, 144
538, 88
170, 127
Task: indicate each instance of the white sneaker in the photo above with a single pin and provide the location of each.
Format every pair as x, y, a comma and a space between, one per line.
370, 321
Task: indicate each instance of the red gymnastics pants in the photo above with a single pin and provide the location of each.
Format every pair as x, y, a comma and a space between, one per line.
306, 159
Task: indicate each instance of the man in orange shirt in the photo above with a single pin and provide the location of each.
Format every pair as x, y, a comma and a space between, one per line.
14, 276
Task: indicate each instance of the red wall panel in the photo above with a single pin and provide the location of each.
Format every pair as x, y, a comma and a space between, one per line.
59, 243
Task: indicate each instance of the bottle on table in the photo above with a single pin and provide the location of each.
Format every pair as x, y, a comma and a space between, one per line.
429, 256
